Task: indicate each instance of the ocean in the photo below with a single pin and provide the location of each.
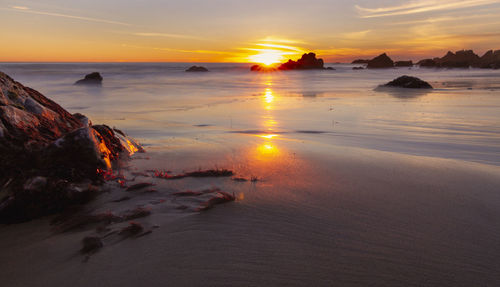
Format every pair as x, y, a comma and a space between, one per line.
164, 107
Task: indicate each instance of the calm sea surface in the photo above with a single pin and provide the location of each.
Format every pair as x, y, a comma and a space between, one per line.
166, 108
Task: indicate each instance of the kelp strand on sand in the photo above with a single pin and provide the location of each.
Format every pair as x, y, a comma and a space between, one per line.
198, 173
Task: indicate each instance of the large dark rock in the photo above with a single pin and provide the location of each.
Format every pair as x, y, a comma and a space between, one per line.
459, 59
306, 62
408, 82
490, 60
380, 62
403, 64
90, 79
49, 158
197, 69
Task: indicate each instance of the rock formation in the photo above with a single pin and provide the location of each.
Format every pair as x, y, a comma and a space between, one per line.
380, 62
90, 79
49, 158
464, 59
408, 82
490, 60
306, 62
197, 69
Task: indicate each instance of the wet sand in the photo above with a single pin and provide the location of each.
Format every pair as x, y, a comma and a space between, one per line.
338, 216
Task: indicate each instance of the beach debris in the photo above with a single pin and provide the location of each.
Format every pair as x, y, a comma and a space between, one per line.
140, 185
136, 213
132, 229
198, 173
91, 244
124, 198
188, 193
218, 198
409, 83
197, 69
91, 79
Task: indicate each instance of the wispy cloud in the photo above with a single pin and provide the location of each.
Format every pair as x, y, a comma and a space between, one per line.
356, 35
420, 6
23, 9
164, 35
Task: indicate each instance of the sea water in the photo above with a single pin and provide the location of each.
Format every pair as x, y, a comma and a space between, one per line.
166, 108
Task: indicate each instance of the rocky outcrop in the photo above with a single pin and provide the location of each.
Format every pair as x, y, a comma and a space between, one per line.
306, 62
490, 60
403, 64
49, 158
90, 79
464, 59
358, 68
380, 62
409, 83
197, 69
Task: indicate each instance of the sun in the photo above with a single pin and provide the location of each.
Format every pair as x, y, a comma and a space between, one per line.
267, 57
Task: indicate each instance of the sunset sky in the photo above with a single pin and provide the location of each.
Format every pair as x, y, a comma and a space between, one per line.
241, 30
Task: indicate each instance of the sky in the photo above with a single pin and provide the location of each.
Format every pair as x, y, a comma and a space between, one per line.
242, 30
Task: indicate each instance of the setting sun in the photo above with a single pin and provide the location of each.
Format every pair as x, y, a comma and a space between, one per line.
267, 57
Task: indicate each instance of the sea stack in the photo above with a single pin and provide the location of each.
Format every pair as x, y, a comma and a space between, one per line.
380, 62
90, 79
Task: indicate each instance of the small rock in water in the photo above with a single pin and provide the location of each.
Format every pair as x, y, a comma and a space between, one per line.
197, 69
90, 79
408, 82
132, 229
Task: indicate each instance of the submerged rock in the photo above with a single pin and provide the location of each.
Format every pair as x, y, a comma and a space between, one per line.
197, 69
380, 62
408, 82
50, 158
90, 79
358, 68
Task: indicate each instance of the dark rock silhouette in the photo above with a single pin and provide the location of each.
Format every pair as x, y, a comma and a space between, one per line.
90, 79
490, 60
380, 62
428, 63
408, 82
306, 62
358, 68
463, 59
360, 61
197, 69
330, 68
459, 59
403, 64
50, 158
